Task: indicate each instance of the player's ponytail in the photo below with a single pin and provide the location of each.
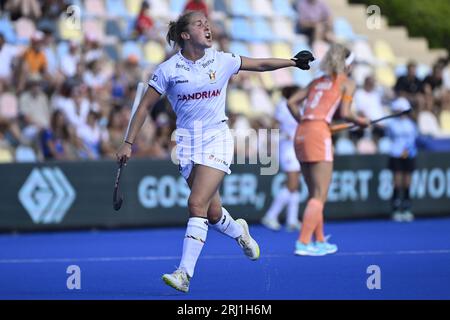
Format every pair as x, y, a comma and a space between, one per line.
176, 28
334, 62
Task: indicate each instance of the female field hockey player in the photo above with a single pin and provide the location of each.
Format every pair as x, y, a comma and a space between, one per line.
195, 81
289, 164
313, 143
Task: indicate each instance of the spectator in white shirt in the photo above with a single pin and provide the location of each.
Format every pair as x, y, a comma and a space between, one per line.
7, 55
69, 62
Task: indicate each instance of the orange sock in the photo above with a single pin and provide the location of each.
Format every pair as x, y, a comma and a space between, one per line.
318, 232
311, 218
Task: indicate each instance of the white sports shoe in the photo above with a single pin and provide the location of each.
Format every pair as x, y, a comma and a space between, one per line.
178, 280
246, 242
293, 227
271, 224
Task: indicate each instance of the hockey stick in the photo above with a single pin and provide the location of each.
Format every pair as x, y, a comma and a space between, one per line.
350, 125
118, 200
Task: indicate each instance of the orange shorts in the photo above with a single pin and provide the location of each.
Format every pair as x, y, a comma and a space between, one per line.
313, 141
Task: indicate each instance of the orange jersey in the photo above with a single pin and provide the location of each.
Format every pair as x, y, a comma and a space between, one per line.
324, 97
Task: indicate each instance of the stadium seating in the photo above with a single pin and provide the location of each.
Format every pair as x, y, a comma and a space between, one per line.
154, 53
116, 8
262, 8
238, 102
9, 108
284, 8
24, 29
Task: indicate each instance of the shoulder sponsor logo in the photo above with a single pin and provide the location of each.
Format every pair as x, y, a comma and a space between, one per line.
199, 95
182, 66
47, 195
207, 63
181, 81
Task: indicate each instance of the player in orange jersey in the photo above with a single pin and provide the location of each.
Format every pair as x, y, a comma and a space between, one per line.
313, 144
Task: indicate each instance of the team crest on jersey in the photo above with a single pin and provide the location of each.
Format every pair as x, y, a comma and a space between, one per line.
212, 76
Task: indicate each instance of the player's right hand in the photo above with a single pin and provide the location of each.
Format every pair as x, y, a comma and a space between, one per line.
124, 153
363, 122
302, 59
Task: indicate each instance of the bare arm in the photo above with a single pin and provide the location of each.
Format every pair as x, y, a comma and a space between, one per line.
269, 64
295, 100
151, 97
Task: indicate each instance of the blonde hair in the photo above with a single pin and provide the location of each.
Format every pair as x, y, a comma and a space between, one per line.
334, 61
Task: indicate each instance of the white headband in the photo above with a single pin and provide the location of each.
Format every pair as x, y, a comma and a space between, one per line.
350, 59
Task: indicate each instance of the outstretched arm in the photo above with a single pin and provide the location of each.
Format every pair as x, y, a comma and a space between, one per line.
301, 60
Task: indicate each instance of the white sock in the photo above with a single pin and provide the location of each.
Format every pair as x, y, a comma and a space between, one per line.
292, 211
278, 204
196, 231
227, 225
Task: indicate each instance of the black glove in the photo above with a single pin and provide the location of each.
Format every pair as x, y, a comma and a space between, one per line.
302, 59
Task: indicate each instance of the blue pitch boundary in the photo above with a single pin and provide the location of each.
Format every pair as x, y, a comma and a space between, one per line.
414, 260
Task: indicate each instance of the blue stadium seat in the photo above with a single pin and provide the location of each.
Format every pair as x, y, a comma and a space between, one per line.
284, 7
116, 8
262, 31
299, 46
240, 8
7, 29
240, 29
113, 29
302, 78
239, 48
343, 29
131, 47
111, 51
62, 48
177, 6
219, 5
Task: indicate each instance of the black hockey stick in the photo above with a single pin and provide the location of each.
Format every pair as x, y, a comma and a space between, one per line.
118, 199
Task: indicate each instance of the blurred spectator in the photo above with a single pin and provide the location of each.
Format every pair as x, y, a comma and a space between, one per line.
427, 120
145, 25
119, 84
33, 61
92, 136
368, 104
409, 85
70, 60
52, 9
314, 19
197, 5
8, 53
57, 140
24, 8
403, 133
48, 45
93, 76
34, 108
115, 132
92, 49
6, 153
69, 102
434, 80
368, 100
444, 117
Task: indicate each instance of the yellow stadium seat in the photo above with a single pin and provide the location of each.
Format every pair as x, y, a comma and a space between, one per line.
133, 6
239, 102
6, 156
69, 30
154, 52
385, 76
444, 119
267, 80
383, 52
281, 50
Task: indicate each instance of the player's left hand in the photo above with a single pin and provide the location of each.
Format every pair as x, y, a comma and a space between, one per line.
302, 59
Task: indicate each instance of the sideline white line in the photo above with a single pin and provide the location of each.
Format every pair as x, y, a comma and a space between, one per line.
216, 257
